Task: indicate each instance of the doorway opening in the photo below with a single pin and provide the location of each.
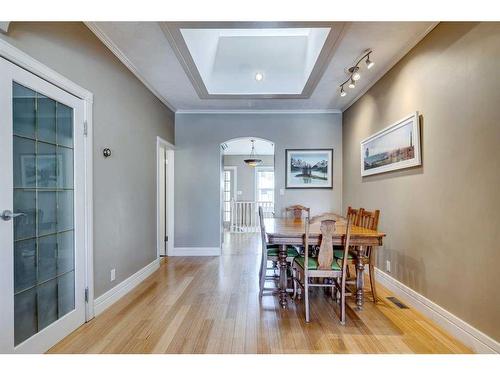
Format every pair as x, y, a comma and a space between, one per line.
245, 186
164, 197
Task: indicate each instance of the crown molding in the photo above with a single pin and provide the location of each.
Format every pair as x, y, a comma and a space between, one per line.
393, 62
257, 111
4, 27
124, 59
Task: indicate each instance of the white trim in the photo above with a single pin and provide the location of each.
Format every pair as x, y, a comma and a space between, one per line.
170, 196
23, 60
476, 340
4, 27
107, 299
89, 208
121, 56
391, 64
256, 111
195, 251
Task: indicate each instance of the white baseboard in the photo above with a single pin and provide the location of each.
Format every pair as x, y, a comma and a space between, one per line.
104, 301
476, 340
195, 251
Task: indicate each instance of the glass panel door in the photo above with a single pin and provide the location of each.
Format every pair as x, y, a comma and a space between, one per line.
44, 288
42, 213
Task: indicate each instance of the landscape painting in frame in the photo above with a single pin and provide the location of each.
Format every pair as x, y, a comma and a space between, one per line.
309, 169
395, 147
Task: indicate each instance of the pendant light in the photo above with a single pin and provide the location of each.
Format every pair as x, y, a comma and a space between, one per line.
252, 161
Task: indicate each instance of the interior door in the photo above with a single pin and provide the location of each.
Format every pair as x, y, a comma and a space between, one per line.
42, 254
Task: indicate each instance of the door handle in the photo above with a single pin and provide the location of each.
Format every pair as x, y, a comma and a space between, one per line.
8, 215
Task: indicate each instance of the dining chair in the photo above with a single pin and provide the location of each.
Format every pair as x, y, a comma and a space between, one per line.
324, 265
270, 253
354, 214
369, 220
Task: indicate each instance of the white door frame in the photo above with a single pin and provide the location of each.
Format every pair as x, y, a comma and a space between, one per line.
21, 59
160, 142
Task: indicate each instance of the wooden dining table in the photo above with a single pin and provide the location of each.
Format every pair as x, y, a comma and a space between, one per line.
291, 231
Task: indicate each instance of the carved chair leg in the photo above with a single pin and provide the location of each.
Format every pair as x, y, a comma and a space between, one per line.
306, 302
263, 269
294, 278
342, 302
372, 282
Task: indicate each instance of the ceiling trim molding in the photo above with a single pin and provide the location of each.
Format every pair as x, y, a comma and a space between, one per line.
257, 111
391, 64
121, 56
174, 36
4, 27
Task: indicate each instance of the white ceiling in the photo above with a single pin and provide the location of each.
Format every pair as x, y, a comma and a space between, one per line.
229, 59
243, 146
144, 48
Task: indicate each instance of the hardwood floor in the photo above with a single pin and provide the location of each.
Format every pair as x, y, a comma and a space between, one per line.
211, 305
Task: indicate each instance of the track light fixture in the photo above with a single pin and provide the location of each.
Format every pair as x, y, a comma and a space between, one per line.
354, 74
369, 63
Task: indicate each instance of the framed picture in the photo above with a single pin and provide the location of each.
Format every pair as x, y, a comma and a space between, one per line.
392, 148
309, 169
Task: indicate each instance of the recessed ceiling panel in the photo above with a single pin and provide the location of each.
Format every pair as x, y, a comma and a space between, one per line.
268, 61
253, 62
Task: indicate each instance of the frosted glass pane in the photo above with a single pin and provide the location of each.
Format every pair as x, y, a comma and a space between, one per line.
24, 265
24, 226
46, 212
24, 111
65, 168
46, 119
47, 257
64, 125
65, 252
24, 162
65, 211
47, 304
66, 290
46, 165
25, 322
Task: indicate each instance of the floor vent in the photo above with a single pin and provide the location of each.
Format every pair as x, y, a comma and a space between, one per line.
397, 302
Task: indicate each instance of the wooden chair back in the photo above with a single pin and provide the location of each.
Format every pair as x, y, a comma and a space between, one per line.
368, 219
353, 214
327, 228
297, 210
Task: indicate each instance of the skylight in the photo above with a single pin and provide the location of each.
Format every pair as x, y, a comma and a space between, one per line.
266, 61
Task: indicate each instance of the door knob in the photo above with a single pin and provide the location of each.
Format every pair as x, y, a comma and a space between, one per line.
8, 215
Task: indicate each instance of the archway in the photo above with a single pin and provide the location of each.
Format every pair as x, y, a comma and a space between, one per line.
245, 187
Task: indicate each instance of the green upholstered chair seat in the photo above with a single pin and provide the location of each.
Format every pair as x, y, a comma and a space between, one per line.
273, 250
313, 263
339, 254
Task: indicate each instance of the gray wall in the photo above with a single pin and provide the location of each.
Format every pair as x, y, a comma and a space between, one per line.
245, 175
442, 219
127, 118
197, 165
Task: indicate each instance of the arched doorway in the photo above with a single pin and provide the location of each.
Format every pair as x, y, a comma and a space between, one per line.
245, 186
